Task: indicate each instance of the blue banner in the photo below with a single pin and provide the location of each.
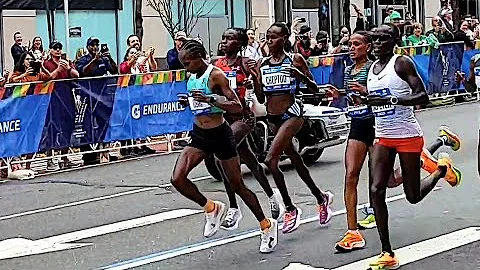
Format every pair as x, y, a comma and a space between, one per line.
21, 124
148, 110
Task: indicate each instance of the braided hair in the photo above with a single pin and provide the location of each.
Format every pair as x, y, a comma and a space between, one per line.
285, 30
194, 47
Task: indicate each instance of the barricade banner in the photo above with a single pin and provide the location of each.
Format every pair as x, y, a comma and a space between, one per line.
23, 109
147, 108
329, 69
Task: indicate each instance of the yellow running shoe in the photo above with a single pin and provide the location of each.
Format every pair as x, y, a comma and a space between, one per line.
453, 140
350, 241
385, 261
454, 175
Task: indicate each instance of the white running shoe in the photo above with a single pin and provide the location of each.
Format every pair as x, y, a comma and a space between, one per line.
276, 205
213, 219
232, 219
269, 237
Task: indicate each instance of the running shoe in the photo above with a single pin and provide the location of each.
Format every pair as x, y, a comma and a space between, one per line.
291, 220
232, 219
454, 175
269, 237
385, 261
213, 219
324, 210
368, 223
276, 205
453, 140
429, 163
350, 241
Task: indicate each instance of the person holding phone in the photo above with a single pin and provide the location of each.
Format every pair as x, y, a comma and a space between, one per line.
210, 96
57, 64
96, 63
27, 69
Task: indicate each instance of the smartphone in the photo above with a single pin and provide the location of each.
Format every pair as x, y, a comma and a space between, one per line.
104, 48
63, 56
35, 65
302, 20
261, 36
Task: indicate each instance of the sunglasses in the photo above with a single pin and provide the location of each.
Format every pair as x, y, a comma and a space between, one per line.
56, 47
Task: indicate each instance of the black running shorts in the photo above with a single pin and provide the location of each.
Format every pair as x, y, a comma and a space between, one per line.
218, 141
363, 130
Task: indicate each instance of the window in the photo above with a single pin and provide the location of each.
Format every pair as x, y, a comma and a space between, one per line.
305, 4
392, 2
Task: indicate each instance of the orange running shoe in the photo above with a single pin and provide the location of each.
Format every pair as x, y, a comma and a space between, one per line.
429, 163
454, 175
385, 261
350, 242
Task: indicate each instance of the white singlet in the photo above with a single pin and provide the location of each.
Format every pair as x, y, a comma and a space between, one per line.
395, 122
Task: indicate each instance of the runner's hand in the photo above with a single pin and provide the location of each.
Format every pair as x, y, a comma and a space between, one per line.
357, 87
333, 91
183, 99
200, 97
252, 67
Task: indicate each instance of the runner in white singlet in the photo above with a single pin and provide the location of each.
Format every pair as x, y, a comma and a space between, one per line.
394, 87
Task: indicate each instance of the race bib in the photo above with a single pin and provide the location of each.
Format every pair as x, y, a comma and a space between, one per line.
383, 111
274, 79
476, 70
357, 111
232, 79
197, 106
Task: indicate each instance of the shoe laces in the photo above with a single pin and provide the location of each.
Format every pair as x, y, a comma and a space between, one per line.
230, 215
289, 217
322, 210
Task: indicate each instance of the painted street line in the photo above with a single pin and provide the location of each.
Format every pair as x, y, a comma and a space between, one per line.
168, 254
19, 247
414, 252
61, 206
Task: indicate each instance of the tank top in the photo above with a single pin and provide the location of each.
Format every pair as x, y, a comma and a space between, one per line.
357, 111
275, 78
392, 121
201, 83
235, 75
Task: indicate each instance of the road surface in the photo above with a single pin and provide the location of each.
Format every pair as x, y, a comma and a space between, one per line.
126, 214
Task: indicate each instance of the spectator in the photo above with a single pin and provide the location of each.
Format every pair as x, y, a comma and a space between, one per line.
254, 48
17, 49
446, 17
59, 68
172, 54
146, 60
395, 18
362, 23
344, 36
96, 63
80, 52
4, 78
439, 31
303, 45
323, 45
464, 34
27, 69
418, 39
37, 49
128, 66
389, 12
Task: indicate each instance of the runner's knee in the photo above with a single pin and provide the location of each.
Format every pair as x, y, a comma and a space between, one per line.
377, 191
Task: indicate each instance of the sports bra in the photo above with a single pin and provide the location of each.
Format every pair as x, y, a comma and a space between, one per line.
276, 79
236, 75
201, 83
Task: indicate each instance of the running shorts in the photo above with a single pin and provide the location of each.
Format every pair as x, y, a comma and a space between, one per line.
405, 145
296, 110
362, 130
218, 141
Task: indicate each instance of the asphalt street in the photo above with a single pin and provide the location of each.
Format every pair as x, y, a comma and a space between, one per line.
46, 221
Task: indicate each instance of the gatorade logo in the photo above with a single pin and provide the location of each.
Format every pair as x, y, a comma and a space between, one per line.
136, 111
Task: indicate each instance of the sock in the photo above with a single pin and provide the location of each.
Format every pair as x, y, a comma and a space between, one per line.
369, 211
210, 206
265, 224
444, 139
443, 171
353, 231
290, 208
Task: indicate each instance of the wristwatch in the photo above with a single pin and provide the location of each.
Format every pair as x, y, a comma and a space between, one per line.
394, 100
213, 99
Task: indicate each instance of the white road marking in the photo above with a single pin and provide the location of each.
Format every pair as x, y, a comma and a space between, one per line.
168, 254
19, 247
414, 252
60, 206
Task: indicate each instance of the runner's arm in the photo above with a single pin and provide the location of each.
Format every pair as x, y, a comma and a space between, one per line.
406, 71
307, 77
226, 98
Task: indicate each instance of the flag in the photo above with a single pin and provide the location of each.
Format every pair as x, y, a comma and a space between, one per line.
124, 81
44, 88
21, 90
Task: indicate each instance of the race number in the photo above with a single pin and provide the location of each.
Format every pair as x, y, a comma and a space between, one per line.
357, 110
196, 105
232, 79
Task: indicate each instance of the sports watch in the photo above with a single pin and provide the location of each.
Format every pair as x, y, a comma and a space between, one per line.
394, 100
